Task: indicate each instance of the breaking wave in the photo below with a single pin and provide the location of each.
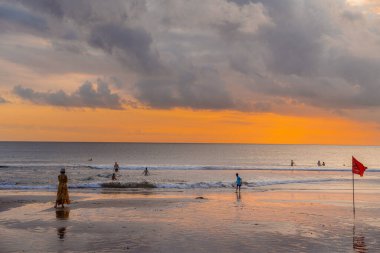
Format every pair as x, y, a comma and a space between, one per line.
172, 185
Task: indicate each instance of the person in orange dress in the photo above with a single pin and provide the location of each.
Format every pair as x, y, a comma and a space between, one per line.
62, 193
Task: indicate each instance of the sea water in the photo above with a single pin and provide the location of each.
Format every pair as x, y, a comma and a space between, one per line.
36, 165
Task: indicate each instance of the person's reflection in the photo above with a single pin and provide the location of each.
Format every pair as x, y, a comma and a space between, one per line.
62, 214
238, 196
358, 242
61, 232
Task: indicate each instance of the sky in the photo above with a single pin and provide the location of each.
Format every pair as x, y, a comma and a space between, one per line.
219, 71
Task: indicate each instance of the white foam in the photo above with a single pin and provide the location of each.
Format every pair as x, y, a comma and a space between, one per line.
174, 185
13, 186
109, 167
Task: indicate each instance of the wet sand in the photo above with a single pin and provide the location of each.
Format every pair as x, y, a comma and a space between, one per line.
305, 219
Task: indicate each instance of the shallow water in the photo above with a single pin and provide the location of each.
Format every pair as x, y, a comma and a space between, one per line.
31, 165
273, 221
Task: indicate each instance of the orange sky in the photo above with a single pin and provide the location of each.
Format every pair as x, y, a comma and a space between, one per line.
42, 123
307, 80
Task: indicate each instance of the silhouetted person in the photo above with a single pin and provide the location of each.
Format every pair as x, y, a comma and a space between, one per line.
116, 167
146, 172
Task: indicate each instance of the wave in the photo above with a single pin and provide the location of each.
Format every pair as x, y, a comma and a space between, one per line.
179, 185
17, 186
220, 167
109, 167
128, 185
214, 185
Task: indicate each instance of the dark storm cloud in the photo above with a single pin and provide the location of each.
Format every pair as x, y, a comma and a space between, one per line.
11, 15
86, 96
310, 54
295, 38
99, 24
241, 2
52, 7
190, 88
131, 45
209, 54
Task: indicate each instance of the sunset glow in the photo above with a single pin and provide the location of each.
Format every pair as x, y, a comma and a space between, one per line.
160, 71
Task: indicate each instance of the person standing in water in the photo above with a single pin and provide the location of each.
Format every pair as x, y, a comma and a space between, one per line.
238, 182
62, 192
146, 172
116, 167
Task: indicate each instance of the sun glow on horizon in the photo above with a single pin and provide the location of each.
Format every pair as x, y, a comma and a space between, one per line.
178, 126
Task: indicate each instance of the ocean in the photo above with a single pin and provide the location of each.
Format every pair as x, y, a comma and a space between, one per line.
36, 165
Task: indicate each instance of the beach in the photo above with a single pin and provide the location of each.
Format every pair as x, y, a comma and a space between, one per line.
188, 202
302, 218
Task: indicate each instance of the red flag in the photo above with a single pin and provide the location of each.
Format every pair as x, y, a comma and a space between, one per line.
358, 167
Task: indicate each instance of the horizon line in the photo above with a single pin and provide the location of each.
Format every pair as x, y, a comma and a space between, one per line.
216, 143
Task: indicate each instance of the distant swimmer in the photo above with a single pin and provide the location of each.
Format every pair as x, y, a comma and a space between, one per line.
113, 176
319, 163
146, 172
116, 167
292, 163
323, 164
239, 181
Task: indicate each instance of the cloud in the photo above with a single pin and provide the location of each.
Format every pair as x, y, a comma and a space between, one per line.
52, 7
3, 101
24, 19
204, 54
85, 96
311, 54
191, 87
130, 45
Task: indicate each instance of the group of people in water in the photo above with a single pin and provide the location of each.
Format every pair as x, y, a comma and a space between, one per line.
63, 193
292, 163
116, 170
62, 190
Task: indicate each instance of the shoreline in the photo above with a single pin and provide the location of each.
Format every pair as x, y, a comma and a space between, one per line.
276, 220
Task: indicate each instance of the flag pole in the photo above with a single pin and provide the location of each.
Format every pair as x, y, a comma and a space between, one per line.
353, 194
